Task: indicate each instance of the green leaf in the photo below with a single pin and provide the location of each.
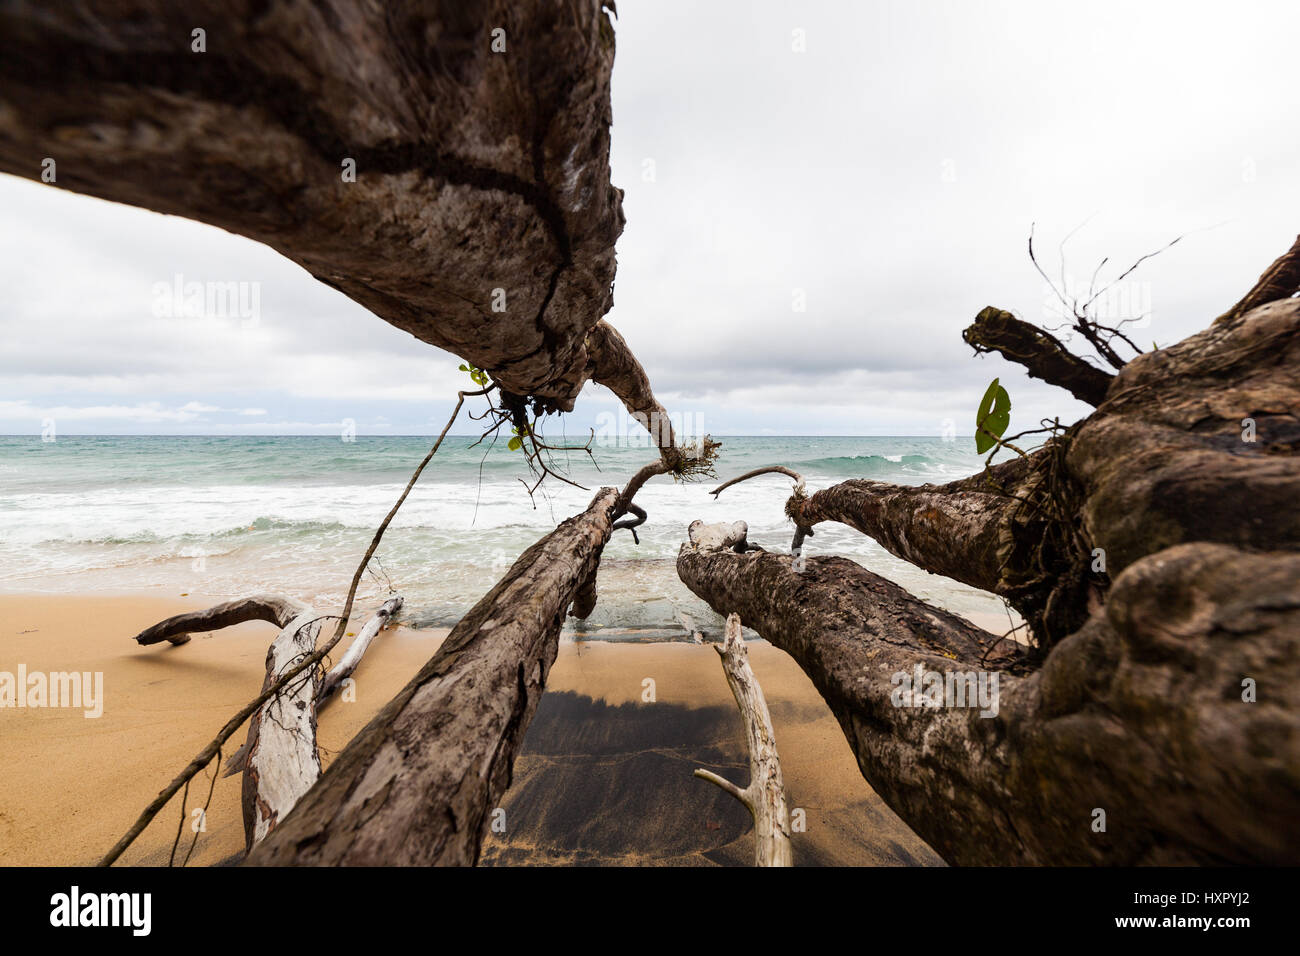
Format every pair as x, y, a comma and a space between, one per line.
515, 443
464, 368
993, 417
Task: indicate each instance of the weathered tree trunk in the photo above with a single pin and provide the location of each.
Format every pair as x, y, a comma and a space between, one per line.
1173, 707
480, 217
1139, 714
279, 759
996, 531
282, 761
765, 795
418, 785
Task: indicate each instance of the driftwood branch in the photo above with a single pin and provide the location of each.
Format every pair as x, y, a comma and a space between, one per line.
417, 786
1281, 280
765, 795
766, 470
279, 759
213, 749
1040, 352
360, 644
259, 607
381, 152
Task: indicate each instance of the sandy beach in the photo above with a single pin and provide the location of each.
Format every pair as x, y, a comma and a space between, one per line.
604, 776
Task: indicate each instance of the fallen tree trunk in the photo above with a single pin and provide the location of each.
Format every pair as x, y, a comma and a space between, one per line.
418, 784
997, 531
280, 759
764, 798
238, 761
446, 165
1175, 543
1139, 714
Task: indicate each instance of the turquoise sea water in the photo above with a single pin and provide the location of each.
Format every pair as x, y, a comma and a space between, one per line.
225, 516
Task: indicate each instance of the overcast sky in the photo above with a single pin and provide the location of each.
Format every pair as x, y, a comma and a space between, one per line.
879, 162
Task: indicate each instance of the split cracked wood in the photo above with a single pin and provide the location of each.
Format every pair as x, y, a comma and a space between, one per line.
765, 795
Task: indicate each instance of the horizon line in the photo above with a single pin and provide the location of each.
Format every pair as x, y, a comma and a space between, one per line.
37, 435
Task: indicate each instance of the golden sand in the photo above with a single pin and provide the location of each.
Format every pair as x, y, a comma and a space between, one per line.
70, 786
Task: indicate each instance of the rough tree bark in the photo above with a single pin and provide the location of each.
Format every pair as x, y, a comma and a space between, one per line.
417, 786
1173, 706
991, 530
481, 175
1041, 353
764, 797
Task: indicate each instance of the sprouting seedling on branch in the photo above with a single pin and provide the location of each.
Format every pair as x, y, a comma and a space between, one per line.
517, 442
991, 421
479, 377
992, 417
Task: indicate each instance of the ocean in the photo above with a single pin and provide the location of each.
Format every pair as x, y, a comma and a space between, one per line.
222, 517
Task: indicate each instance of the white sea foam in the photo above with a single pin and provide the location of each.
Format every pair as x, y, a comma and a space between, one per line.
221, 517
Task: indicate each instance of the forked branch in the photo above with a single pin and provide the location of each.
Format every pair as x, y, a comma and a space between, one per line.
765, 795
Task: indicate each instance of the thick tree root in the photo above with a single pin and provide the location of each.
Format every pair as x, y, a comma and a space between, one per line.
1139, 715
